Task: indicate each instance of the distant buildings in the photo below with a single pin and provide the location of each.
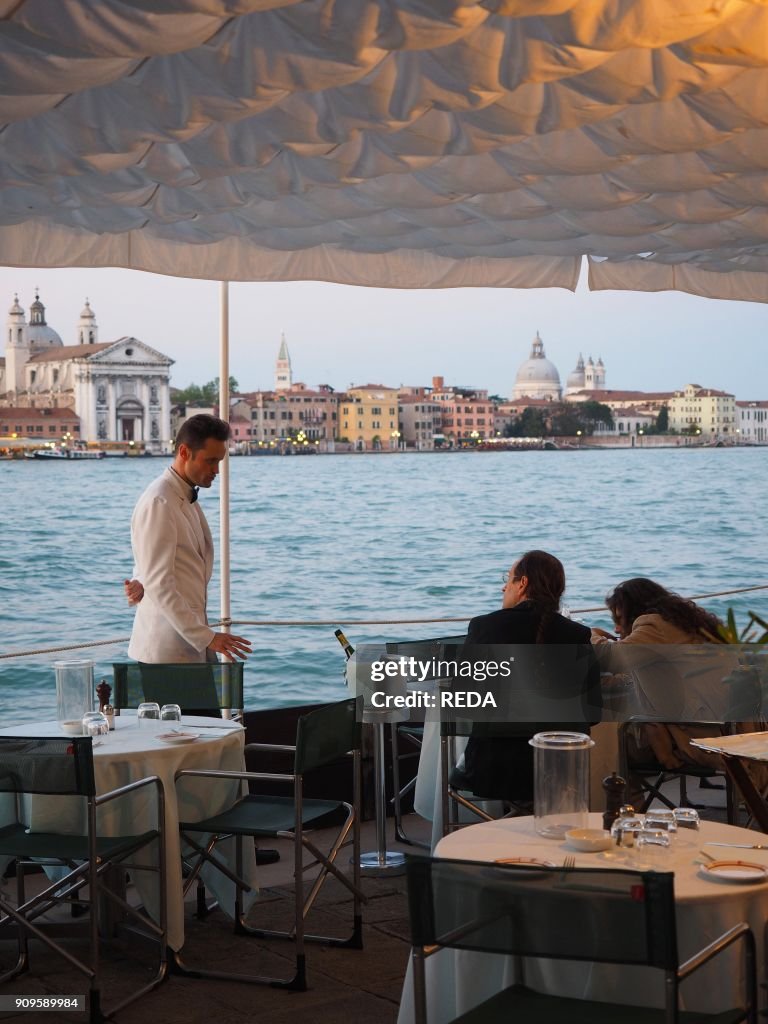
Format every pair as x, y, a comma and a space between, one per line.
752, 422
703, 411
375, 417
118, 391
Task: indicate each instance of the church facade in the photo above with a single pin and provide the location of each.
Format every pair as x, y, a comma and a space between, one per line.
120, 390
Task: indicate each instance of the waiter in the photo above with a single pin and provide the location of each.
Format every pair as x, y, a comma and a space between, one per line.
173, 555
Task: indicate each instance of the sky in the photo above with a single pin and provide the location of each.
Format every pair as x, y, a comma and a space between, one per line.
342, 335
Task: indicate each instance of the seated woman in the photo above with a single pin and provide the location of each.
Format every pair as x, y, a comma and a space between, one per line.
686, 687
498, 760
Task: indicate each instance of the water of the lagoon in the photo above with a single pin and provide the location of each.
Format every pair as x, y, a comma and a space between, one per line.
372, 537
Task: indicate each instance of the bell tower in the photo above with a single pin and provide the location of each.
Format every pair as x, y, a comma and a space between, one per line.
283, 374
17, 347
87, 328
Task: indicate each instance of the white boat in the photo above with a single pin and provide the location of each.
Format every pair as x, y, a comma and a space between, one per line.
54, 454
86, 453
48, 454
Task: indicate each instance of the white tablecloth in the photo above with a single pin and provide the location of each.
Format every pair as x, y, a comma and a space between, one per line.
427, 800
458, 980
130, 753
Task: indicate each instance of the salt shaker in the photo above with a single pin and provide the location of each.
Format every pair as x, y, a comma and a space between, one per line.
109, 712
614, 787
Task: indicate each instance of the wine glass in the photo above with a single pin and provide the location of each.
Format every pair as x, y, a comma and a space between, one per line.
148, 714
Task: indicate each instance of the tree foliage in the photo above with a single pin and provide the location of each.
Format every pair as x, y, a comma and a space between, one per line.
206, 393
560, 419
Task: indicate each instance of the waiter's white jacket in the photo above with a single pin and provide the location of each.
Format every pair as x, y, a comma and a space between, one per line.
173, 553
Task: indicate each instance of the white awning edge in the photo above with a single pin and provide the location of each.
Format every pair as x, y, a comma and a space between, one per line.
41, 244
645, 276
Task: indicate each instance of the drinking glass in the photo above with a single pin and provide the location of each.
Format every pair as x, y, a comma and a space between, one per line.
624, 830
661, 819
148, 715
652, 845
686, 817
95, 724
170, 713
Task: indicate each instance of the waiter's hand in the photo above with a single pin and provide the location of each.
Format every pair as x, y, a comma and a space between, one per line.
230, 646
134, 591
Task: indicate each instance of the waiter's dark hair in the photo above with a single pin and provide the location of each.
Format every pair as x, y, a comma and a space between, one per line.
195, 431
546, 584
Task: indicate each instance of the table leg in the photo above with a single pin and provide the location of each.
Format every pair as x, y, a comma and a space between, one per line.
380, 861
754, 801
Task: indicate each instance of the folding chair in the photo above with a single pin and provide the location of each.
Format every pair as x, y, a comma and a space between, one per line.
322, 736
47, 769
651, 775
413, 732
585, 914
205, 688
456, 789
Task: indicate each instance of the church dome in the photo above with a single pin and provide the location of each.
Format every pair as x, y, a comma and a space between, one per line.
16, 309
537, 377
39, 334
87, 313
42, 336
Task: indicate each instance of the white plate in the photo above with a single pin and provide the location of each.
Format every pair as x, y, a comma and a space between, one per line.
178, 737
588, 840
739, 872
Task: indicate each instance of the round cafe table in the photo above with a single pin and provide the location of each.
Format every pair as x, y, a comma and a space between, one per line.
130, 753
458, 980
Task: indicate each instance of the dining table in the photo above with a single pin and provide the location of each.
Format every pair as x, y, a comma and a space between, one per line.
707, 903
134, 751
604, 758
738, 752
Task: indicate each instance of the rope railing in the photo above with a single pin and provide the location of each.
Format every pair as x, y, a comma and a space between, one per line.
338, 621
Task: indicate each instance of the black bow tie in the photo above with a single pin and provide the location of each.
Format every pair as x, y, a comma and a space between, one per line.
193, 496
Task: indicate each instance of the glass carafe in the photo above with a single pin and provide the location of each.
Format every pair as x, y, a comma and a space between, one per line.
560, 782
74, 690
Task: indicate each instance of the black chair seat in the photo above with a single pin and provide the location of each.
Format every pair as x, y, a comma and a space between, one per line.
524, 1004
15, 841
264, 816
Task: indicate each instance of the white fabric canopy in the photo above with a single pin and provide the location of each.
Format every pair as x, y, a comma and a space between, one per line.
399, 143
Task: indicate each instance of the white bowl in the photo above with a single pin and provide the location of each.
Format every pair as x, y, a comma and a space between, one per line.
72, 727
588, 840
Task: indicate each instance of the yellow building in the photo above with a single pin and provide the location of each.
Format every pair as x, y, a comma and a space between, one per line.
368, 417
704, 411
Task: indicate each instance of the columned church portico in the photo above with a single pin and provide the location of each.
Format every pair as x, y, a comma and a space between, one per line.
120, 390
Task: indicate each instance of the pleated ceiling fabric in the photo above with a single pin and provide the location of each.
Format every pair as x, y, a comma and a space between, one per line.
390, 143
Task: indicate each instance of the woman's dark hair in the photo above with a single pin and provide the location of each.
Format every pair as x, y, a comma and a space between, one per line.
195, 431
546, 585
641, 596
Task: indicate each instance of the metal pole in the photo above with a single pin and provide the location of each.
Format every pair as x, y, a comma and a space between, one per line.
224, 472
381, 861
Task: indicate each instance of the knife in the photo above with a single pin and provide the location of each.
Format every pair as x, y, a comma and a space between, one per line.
742, 846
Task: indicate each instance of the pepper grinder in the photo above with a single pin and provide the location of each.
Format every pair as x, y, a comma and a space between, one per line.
614, 787
103, 692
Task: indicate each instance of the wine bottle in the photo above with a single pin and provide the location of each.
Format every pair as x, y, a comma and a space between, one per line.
349, 650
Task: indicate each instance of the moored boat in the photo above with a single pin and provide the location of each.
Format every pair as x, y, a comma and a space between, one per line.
54, 454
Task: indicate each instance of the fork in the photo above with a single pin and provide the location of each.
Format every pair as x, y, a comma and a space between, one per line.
568, 864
